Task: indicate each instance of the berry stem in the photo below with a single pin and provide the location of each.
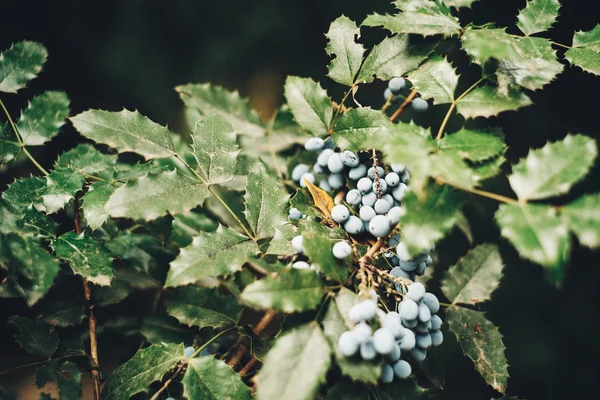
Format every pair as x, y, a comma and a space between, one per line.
453, 106
339, 110
404, 104
168, 382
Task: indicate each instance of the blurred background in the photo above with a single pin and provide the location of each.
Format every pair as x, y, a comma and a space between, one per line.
131, 53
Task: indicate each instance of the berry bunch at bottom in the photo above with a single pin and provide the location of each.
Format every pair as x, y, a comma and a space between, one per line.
392, 92
403, 265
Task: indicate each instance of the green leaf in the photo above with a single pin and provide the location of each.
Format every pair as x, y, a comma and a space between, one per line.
481, 341
94, 201
24, 192
393, 57
290, 291
42, 119
280, 244
336, 322
85, 159
9, 147
205, 98
583, 219
141, 251
319, 250
584, 52
553, 169
61, 187
85, 256
185, 227
67, 379
473, 145
475, 276
20, 64
435, 79
309, 103
63, 313
202, 307
152, 196
537, 233
125, 131
486, 101
296, 366
35, 336
537, 16
356, 126
210, 379
210, 255
215, 148
146, 366
459, 3
125, 282
430, 217
35, 268
422, 17
488, 169
402, 390
348, 390
265, 201
451, 169
348, 54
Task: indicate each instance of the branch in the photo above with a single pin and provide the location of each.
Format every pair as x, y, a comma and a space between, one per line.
405, 103
168, 382
262, 325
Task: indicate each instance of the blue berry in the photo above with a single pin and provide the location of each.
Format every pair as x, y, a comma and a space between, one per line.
369, 199
421, 269
409, 341
409, 309
382, 207
334, 163
424, 327
314, 144
387, 373
380, 185
383, 340
295, 213
400, 273
357, 172
367, 213
410, 323
437, 337
395, 214
300, 265
354, 225
416, 291
418, 354
297, 243
340, 213
336, 181
408, 266
347, 344
349, 158
367, 349
379, 226
402, 369
342, 250
324, 184
317, 169
420, 105
324, 157
392, 179
394, 355
364, 185
329, 144
402, 252
398, 168
396, 85
299, 170
436, 322
399, 191
387, 93
353, 197
371, 172
432, 302
188, 352
424, 340
307, 177
362, 331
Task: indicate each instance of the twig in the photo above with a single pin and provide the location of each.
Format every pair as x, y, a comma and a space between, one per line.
168, 382
244, 371
453, 106
33, 364
262, 325
405, 103
339, 110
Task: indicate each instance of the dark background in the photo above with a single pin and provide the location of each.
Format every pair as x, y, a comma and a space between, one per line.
126, 53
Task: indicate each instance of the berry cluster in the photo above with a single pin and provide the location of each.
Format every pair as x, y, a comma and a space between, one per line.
392, 93
403, 265
399, 337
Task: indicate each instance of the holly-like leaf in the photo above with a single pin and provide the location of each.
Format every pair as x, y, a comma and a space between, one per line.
356, 126
486, 101
215, 148
19, 64
205, 98
146, 366
265, 202
488, 169
125, 131
473, 145
553, 169
290, 291
402, 390
435, 79
348, 390
336, 322
85, 159
295, 367
61, 187
319, 250
537, 233
9, 147
348, 54
481, 341
185, 227
67, 379
63, 313
475, 276
321, 198
537, 16
202, 307
94, 201
393, 57
152, 196
459, 3
583, 218
125, 282
584, 52
24, 192
309, 103
85, 256
220, 253
430, 217
42, 119
422, 17
212, 379
35, 336
141, 251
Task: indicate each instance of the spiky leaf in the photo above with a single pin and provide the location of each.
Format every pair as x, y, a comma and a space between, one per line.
585, 50
35, 336
210, 255
309, 103
583, 218
146, 366
63, 313
142, 252
85, 256
355, 127
85, 159
185, 227
553, 169
291, 290
67, 379
296, 366
61, 187
537, 16
94, 201
125, 131
202, 307
318, 249
459, 3
42, 119
24, 192
9, 147
435, 79
486, 101
481, 341
475, 276
473, 145
19, 64
211, 379
348, 54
